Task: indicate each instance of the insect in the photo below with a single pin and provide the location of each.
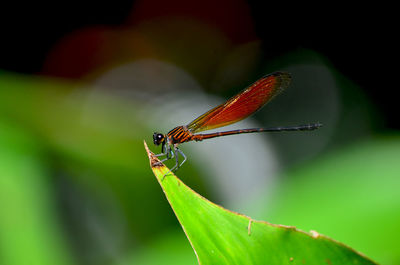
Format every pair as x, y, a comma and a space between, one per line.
235, 109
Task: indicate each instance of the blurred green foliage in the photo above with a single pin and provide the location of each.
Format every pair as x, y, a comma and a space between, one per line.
96, 173
29, 228
352, 195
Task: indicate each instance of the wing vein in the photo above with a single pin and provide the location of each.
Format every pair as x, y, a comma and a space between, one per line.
243, 104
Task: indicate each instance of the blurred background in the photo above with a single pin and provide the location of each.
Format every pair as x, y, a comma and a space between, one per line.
83, 84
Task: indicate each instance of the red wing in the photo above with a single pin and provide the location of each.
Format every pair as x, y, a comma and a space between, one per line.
243, 104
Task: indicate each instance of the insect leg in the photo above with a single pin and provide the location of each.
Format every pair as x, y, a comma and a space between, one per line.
177, 151
168, 153
163, 151
174, 168
183, 155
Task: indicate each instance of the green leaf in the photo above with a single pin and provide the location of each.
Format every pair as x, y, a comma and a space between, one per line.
220, 236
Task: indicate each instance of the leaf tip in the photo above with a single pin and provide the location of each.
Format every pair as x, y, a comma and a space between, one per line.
154, 161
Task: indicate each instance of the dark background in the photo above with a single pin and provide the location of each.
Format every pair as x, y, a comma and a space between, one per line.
358, 40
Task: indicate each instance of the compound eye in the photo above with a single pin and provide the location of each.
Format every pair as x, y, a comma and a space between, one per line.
158, 138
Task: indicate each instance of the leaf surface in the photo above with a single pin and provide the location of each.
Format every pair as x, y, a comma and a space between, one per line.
220, 236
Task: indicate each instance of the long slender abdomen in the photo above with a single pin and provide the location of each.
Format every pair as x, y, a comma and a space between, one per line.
307, 127
200, 137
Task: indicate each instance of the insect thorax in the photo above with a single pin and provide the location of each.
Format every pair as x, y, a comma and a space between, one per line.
179, 135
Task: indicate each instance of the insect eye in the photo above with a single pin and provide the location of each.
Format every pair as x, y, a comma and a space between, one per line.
158, 138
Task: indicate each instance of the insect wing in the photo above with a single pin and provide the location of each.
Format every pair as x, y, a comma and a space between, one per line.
243, 104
